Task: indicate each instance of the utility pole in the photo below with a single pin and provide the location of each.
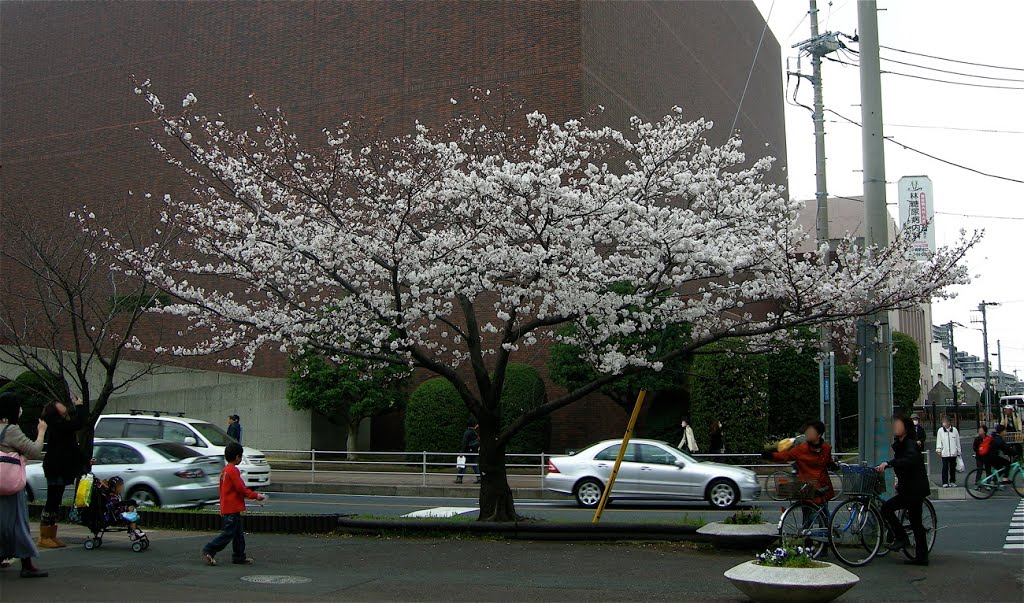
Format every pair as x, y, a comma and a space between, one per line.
988, 369
999, 359
818, 46
952, 370
874, 337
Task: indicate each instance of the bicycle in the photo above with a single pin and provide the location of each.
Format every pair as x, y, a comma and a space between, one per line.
856, 529
803, 519
984, 487
777, 482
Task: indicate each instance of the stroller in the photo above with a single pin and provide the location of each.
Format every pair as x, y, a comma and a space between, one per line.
94, 511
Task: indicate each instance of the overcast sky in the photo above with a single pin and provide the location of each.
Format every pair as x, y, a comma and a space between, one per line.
951, 29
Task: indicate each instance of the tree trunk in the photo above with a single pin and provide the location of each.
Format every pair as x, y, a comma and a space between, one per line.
353, 440
496, 502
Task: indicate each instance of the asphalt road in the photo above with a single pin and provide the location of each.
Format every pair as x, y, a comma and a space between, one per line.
378, 569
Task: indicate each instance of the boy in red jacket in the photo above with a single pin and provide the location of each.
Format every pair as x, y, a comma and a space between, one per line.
232, 502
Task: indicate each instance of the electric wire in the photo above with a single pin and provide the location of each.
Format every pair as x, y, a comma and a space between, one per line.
946, 71
757, 51
938, 58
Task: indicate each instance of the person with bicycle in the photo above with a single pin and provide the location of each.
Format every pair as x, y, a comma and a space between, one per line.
998, 446
813, 458
911, 490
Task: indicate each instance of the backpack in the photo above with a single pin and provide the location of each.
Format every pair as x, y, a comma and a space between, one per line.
985, 446
12, 470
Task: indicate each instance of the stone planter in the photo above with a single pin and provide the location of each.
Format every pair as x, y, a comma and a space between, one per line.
733, 536
791, 585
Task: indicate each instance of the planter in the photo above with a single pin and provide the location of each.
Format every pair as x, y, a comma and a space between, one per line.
740, 536
791, 585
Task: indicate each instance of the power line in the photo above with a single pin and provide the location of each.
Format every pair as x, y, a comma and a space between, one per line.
955, 129
949, 213
931, 56
929, 155
983, 77
932, 79
750, 73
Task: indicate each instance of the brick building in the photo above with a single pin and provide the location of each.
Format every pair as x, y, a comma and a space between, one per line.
72, 132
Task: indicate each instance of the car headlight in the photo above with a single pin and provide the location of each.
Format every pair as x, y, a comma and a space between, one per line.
751, 478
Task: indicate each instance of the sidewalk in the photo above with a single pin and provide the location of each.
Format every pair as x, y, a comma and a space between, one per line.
305, 568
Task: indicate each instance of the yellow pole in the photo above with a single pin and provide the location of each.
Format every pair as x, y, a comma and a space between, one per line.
618, 459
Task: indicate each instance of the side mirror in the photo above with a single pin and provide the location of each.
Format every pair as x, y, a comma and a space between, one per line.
189, 441
680, 463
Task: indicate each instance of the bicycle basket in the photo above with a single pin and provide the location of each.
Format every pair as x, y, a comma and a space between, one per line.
797, 490
860, 480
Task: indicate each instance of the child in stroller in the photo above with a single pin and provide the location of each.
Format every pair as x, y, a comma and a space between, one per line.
108, 512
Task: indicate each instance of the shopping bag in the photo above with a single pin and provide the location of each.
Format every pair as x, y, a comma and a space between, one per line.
12, 470
959, 464
83, 492
460, 461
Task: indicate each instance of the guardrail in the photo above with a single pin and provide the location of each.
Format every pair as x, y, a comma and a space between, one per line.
324, 464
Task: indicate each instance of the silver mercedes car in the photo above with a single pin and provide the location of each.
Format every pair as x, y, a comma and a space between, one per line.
156, 473
650, 470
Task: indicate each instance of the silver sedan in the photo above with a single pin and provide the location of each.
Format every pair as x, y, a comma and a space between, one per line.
155, 473
650, 470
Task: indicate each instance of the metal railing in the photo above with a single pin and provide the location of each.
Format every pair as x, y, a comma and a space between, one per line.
326, 466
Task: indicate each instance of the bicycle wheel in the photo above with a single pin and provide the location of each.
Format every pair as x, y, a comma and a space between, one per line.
978, 486
931, 528
803, 524
1018, 481
855, 533
773, 484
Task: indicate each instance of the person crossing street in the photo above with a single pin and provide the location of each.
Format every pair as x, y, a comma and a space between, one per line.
947, 446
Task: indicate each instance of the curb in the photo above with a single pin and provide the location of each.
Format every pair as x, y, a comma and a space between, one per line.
211, 522
406, 491
528, 530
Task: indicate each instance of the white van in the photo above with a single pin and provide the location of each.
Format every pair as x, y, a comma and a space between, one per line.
202, 436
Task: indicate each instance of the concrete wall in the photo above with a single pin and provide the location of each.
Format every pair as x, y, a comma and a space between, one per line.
267, 420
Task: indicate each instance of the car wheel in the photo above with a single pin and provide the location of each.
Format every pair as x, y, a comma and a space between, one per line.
144, 496
588, 492
723, 494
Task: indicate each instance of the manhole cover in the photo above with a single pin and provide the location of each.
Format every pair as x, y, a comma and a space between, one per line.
277, 579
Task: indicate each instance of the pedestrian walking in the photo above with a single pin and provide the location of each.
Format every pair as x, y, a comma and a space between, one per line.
911, 490
235, 428
920, 436
15, 534
232, 503
716, 438
470, 449
947, 446
63, 463
689, 443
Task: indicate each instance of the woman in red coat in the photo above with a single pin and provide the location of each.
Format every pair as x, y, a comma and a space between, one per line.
813, 458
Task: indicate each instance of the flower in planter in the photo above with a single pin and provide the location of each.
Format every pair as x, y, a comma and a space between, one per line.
786, 556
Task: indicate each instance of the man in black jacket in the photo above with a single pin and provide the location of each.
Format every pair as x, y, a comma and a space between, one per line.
913, 487
470, 448
920, 435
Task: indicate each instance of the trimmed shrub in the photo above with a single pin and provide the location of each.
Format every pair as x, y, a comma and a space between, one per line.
524, 391
906, 372
730, 388
435, 418
793, 390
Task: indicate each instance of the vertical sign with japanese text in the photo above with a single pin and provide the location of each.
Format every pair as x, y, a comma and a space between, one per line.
917, 212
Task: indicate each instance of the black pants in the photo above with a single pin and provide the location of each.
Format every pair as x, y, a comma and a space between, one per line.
994, 461
55, 487
232, 533
948, 470
913, 506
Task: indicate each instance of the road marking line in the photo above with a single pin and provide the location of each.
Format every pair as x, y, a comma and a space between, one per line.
441, 512
1013, 546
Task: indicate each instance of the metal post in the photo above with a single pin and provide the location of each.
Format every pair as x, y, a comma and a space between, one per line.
425, 467
312, 465
876, 389
952, 370
988, 371
618, 459
999, 359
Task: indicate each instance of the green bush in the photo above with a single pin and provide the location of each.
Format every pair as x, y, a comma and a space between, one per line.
793, 389
730, 388
906, 372
435, 418
36, 390
524, 390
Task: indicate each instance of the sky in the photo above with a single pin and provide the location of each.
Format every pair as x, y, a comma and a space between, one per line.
947, 118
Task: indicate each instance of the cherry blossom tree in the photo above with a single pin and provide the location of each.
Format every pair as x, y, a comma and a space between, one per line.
460, 248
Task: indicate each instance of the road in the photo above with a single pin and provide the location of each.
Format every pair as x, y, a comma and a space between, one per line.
381, 569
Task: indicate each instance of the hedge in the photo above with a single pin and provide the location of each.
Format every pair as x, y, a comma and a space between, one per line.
730, 388
524, 390
435, 418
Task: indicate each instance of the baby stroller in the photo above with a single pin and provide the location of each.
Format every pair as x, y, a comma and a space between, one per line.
94, 511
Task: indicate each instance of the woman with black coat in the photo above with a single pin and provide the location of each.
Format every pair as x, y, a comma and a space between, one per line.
63, 464
911, 490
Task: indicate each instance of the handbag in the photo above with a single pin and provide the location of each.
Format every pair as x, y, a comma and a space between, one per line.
959, 463
12, 470
460, 462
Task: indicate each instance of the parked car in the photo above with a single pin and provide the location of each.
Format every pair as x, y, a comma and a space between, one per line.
156, 473
201, 436
650, 470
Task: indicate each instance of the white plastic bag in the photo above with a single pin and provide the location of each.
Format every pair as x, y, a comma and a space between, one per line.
460, 461
959, 464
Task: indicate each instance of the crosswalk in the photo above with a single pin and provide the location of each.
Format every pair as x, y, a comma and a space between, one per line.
1015, 535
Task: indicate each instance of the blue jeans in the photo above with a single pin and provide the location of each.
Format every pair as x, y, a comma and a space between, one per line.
232, 533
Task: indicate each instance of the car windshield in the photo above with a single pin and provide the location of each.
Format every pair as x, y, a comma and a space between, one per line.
173, 451
213, 433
